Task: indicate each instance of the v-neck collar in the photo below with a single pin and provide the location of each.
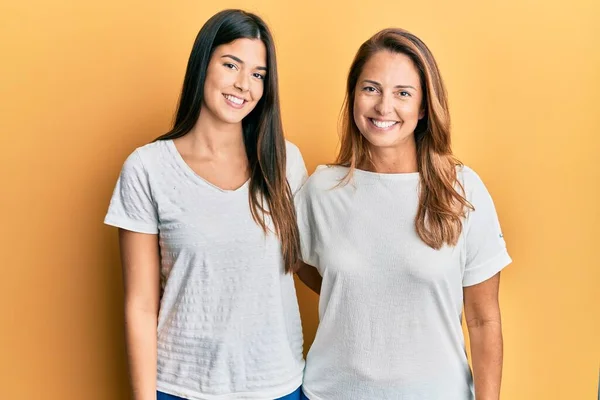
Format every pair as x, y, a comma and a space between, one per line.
190, 172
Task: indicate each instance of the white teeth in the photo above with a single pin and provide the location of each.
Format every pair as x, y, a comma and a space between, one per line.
234, 99
383, 124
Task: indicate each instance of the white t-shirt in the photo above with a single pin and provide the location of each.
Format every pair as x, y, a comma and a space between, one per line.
390, 306
229, 325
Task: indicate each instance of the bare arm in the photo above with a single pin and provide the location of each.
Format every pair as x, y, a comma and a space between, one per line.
310, 277
482, 314
140, 259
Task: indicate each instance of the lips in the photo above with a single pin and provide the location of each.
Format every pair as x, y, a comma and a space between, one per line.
379, 124
235, 101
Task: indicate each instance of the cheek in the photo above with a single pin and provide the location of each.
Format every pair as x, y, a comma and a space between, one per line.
361, 106
211, 83
356, 115
410, 111
258, 90
219, 78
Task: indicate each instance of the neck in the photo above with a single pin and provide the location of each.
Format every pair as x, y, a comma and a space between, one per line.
395, 160
210, 136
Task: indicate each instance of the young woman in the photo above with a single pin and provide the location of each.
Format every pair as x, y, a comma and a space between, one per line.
208, 232
403, 235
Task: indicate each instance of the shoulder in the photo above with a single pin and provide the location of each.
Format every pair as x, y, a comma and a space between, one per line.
291, 148
471, 181
146, 157
476, 192
325, 178
152, 151
295, 168
293, 155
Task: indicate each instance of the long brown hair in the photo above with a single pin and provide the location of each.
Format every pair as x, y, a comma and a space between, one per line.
269, 193
442, 204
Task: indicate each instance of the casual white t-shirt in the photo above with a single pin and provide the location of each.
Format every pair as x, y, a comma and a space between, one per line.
229, 325
390, 306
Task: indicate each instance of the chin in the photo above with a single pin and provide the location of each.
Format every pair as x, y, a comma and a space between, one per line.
381, 142
394, 139
231, 118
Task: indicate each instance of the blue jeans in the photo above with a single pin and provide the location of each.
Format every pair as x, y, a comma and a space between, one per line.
295, 395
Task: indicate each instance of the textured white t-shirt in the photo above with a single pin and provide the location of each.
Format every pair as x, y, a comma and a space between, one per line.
229, 325
390, 306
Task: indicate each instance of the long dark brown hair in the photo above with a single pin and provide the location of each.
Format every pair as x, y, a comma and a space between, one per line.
269, 193
442, 204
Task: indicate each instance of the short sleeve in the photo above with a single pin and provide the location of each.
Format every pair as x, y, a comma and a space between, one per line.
486, 252
306, 225
132, 206
296, 169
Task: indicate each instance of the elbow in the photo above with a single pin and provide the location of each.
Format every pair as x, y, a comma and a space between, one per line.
477, 324
137, 307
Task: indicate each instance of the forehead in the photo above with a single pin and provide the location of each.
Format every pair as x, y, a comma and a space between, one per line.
390, 68
251, 51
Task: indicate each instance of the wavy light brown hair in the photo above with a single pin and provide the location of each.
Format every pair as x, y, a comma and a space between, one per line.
269, 194
442, 203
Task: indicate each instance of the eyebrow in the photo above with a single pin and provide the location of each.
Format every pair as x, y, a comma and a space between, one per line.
241, 62
395, 87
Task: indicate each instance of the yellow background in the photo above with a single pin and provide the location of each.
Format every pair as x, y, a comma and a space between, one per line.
83, 83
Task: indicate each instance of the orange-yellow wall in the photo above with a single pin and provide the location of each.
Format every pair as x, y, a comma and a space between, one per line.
83, 83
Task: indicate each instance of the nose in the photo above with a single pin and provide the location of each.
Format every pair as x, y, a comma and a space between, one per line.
242, 83
384, 105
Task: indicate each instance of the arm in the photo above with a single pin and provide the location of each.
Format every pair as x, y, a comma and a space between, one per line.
482, 314
310, 277
140, 259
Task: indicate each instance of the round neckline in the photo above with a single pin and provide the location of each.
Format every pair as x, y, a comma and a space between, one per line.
191, 173
387, 176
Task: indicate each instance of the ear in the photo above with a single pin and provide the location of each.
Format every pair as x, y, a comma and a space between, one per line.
422, 113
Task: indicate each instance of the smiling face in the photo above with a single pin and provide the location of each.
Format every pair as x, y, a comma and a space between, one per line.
387, 100
235, 80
